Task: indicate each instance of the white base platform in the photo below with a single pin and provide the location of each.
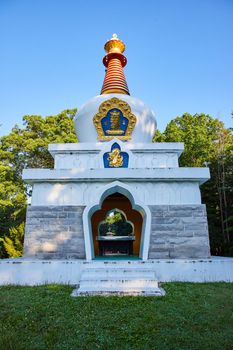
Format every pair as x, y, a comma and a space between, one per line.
34, 272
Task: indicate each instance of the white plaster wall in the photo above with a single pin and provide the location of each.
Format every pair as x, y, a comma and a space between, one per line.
90, 155
91, 160
83, 193
34, 272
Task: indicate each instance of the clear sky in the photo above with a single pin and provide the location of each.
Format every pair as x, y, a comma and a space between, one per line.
180, 55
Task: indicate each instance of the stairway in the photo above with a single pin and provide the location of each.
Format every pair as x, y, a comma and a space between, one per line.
118, 281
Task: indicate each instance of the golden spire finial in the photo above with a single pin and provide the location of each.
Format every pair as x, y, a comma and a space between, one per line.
114, 45
114, 61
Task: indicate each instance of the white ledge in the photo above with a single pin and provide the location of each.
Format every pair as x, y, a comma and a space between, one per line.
173, 147
24, 271
157, 174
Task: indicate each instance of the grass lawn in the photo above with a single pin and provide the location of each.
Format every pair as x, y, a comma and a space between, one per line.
190, 316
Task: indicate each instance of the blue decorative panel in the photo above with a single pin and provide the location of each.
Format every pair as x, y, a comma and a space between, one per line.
116, 158
114, 123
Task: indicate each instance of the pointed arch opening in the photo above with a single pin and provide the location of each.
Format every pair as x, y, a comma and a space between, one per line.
116, 228
117, 196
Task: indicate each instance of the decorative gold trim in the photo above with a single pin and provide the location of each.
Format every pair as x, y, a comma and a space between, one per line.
115, 159
126, 111
114, 45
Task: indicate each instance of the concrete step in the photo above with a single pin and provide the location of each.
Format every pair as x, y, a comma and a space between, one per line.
106, 273
80, 293
118, 280
156, 293
109, 287
119, 283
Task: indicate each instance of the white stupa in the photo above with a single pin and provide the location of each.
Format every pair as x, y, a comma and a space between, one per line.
116, 214
116, 166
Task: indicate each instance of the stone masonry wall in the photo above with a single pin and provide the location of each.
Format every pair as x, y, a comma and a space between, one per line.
179, 231
54, 232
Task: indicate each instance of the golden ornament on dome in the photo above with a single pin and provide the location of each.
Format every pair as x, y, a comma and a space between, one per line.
114, 45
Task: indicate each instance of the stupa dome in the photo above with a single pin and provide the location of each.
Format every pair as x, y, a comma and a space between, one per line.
145, 124
95, 122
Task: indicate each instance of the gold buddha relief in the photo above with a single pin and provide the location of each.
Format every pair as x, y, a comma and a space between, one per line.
114, 119
115, 158
115, 123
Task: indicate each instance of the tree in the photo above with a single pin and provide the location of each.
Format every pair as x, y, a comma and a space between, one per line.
26, 147
12, 202
208, 142
13, 243
199, 133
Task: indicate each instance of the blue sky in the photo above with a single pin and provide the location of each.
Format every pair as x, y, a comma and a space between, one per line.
180, 55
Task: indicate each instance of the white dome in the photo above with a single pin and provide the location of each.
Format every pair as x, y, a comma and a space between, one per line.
145, 125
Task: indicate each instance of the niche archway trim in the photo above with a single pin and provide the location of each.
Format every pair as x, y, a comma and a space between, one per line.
131, 194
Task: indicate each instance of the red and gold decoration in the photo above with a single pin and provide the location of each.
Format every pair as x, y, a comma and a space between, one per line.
114, 61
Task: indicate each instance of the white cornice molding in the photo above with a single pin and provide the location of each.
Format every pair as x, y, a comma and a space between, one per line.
199, 175
160, 147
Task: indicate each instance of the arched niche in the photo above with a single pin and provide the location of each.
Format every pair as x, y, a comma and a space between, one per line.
121, 204
99, 196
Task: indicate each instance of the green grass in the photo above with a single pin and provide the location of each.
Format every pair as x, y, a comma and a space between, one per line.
191, 316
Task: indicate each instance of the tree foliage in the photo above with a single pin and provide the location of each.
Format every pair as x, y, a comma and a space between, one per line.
13, 243
26, 147
208, 143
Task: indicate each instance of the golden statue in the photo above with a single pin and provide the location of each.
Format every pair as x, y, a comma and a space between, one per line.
115, 159
115, 123
115, 120
115, 106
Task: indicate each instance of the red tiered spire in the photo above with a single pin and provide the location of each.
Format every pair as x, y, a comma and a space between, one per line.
114, 61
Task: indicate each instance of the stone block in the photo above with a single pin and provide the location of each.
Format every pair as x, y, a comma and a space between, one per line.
181, 213
54, 232
166, 220
190, 251
159, 241
74, 215
197, 227
62, 214
194, 220
75, 209
163, 234
158, 255
158, 210
80, 233
75, 228
185, 233
202, 233
45, 208
48, 214
68, 221
31, 214
178, 240
167, 227
73, 249
55, 228
158, 247
183, 228
33, 221
33, 227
